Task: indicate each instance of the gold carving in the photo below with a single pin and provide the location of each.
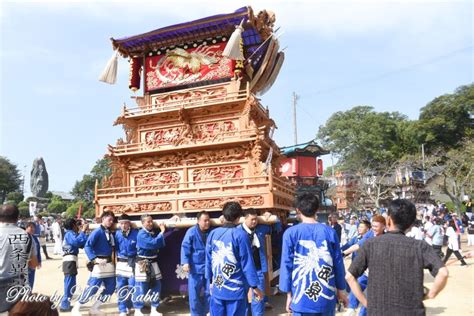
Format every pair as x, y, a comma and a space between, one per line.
264, 22
188, 96
211, 131
135, 207
222, 175
117, 176
191, 158
188, 133
246, 201
180, 66
282, 201
156, 181
156, 138
164, 161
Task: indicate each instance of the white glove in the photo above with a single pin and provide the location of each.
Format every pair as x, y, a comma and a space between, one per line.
101, 261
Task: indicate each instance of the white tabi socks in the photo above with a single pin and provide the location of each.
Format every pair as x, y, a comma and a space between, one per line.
95, 308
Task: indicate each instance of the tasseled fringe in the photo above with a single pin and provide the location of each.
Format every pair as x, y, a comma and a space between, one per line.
268, 162
109, 75
249, 69
233, 50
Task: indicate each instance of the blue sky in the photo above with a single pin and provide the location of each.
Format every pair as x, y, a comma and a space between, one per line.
392, 55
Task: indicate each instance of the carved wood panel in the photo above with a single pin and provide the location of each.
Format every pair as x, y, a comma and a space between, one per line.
189, 96
142, 207
256, 200
156, 180
190, 158
221, 175
188, 133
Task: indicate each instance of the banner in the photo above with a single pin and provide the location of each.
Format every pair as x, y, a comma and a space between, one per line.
181, 66
33, 208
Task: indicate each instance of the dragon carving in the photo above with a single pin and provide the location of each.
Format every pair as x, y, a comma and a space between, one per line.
182, 66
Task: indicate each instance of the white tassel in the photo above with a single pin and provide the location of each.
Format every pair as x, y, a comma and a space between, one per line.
268, 162
109, 75
232, 49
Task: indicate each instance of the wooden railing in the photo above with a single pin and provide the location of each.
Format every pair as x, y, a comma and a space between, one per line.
221, 137
244, 183
194, 101
283, 186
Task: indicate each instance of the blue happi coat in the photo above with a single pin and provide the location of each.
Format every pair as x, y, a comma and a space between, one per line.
126, 246
193, 250
311, 267
98, 245
73, 241
148, 243
260, 232
229, 263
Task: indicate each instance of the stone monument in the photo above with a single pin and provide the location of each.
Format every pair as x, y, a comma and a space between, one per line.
39, 178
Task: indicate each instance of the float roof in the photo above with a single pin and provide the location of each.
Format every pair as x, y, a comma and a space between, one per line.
256, 30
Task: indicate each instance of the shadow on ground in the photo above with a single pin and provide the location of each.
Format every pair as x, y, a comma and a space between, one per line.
435, 310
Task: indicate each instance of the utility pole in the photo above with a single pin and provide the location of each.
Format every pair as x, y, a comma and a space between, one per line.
423, 156
332, 164
295, 128
23, 182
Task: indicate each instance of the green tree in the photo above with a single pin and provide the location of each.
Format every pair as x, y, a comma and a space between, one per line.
456, 169
73, 209
24, 209
88, 210
446, 121
363, 137
10, 179
84, 189
57, 205
101, 169
15, 197
89, 213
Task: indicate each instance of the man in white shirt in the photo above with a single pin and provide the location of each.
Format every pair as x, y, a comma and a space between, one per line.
57, 235
426, 228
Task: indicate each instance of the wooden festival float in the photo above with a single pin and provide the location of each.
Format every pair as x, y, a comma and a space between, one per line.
199, 136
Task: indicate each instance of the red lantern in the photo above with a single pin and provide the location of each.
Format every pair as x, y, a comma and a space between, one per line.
320, 167
135, 69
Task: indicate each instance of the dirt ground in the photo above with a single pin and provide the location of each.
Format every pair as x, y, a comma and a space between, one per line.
457, 298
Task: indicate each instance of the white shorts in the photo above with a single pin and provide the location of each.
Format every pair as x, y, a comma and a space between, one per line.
141, 276
106, 271
123, 269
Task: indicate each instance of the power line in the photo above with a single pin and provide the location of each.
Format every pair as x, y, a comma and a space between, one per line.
399, 70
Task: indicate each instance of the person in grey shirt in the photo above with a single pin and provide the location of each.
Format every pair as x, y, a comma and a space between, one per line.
16, 255
351, 228
436, 234
396, 264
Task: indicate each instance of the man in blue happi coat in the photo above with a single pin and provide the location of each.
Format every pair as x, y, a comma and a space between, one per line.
99, 248
312, 269
364, 232
73, 240
147, 272
126, 244
229, 266
193, 259
256, 234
